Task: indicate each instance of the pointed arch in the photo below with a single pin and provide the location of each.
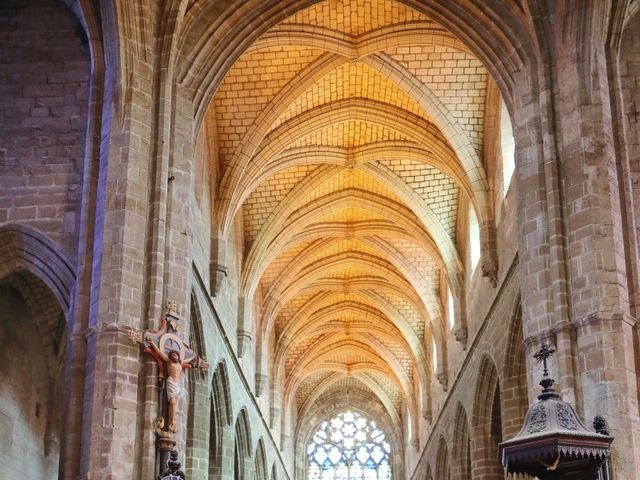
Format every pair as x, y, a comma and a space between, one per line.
487, 424
24, 248
221, 394
242, 447
208, 50
310, 404
35, 333
514, 384
260, 458
428, 474
461, 451
221, 428
281, 227
390, 36
443, 461
198, 413
359, 401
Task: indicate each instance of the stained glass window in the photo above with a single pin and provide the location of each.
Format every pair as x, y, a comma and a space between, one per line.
349, 447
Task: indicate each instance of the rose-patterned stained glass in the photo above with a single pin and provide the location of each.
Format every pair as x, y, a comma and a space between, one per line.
349, 447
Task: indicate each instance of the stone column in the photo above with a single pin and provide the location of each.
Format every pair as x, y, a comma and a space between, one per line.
597, 266
586, 278
115, 441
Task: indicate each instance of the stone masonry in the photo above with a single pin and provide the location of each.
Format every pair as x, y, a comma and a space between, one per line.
325, 189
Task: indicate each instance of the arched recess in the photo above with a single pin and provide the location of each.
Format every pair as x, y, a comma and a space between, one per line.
428, 474
487, 422
221, 429
260, 458
243, 467
461, 451
198, 411
360, 371
514, 377
36, 284
443, 461
33, 332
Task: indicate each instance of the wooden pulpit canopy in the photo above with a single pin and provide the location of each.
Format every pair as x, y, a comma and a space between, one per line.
554, 443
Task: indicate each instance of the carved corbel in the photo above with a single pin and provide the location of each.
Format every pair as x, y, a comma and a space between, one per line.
489, 267
244, 341
218, 270
217, 274
443, 379
427, 415
460, 333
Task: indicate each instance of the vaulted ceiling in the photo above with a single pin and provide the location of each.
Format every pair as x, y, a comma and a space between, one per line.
348, 138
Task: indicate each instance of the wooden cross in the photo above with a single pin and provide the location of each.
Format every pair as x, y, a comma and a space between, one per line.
172, 355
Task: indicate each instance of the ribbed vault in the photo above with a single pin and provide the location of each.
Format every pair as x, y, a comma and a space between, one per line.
348, 139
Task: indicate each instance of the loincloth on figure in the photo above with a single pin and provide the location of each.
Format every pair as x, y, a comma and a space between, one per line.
174, 389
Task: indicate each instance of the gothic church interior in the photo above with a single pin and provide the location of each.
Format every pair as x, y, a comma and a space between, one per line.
313, 239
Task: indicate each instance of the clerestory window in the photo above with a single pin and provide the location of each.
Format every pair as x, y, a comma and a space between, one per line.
507, 146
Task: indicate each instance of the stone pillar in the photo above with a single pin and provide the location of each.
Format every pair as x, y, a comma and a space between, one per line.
597, 266
579, 281
116, 443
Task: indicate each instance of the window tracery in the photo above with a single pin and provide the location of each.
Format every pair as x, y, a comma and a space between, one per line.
349, 447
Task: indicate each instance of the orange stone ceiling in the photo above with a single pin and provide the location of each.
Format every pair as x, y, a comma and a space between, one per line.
347, 136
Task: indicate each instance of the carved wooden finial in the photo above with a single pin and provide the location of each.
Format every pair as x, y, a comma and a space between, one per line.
173, 310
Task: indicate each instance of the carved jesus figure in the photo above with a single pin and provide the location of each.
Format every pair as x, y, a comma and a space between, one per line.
174, 379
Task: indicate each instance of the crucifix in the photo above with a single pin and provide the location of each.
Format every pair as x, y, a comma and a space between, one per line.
172, 355
544, 353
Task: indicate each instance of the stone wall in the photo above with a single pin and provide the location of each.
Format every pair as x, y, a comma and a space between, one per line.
565, 236
44, 74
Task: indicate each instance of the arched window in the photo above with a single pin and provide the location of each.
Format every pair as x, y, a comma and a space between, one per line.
349, 447
450, 312
434, 354
507, 147
474, 239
